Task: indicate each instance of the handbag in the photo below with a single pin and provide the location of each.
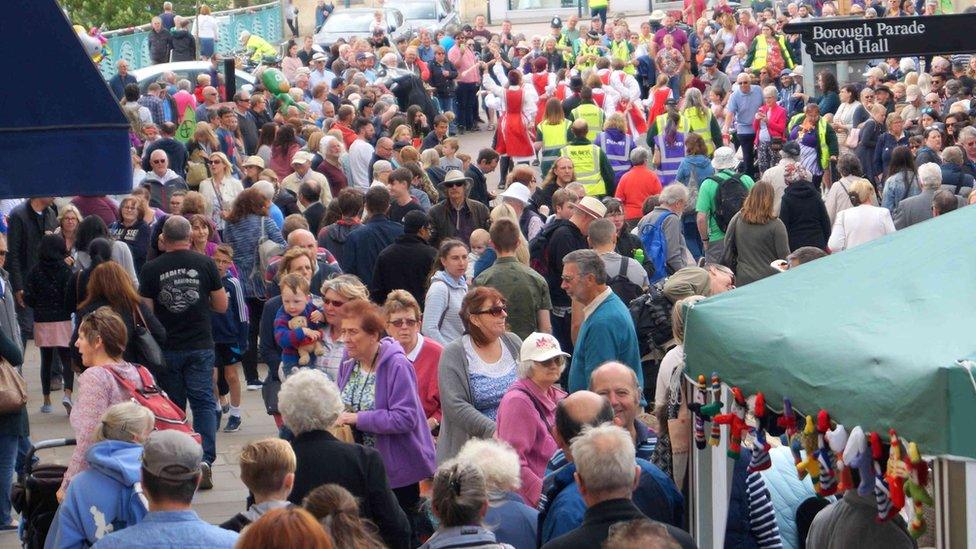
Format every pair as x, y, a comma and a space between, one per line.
343, 433
150, 354
13, 390
853, 137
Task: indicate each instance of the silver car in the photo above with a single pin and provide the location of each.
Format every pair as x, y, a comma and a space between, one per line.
356, 22
188, 70
433, 15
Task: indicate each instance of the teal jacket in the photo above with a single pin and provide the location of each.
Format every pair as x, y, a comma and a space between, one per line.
608, 334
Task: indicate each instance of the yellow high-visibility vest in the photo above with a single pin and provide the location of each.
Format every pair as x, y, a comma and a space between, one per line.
553, 139
586, 164
692, 121
594, 118
762, 49
621, 50
821, 136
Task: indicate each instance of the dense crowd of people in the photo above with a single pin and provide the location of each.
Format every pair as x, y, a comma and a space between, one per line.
449, 363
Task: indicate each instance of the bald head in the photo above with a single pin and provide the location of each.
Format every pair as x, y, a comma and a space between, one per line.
301, 238
617, 383
578, 410
580, 128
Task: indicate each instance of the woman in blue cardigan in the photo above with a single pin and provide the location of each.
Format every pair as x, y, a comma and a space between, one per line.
379, 390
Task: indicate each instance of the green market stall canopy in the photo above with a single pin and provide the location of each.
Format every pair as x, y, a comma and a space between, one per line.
874, 335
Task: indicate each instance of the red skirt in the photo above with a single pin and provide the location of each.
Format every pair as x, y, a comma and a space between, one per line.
512, 137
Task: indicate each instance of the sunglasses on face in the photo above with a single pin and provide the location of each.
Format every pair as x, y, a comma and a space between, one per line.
333, 302
496, 311
401, 322
549, 362
448, 185
159, 161
214, 162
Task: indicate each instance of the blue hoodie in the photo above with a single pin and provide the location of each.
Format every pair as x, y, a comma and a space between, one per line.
701, 164
103, 499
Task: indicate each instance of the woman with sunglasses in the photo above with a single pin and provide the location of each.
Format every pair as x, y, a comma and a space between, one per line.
475, 371
403, 319
336, 292
528, 410
220, 190
379, 391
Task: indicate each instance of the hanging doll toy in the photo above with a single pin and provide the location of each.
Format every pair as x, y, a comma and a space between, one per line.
736, 420
760, 451
896, 472
857, 454
808, 464
714, 408
918, 478
695, 407
788, 420
825, 457
882, 495
837, 439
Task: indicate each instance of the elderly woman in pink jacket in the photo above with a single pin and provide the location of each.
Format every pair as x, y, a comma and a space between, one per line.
528, 410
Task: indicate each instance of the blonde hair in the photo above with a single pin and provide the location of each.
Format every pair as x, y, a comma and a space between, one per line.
204, 133
69, 208
294, 282
678, 316
616, 121
348, 286
265, 464
126, 421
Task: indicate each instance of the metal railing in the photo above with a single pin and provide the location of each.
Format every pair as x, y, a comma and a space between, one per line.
132, 44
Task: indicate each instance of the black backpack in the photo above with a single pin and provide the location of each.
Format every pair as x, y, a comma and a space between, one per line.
729, 197
651, 313
626, 290
539, 247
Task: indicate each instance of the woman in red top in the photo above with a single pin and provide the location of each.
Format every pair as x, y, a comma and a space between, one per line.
658, 98
770, 126
403, 323
518, 106
541, 80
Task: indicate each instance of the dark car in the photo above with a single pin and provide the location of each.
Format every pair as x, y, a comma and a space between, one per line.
356, 23
433, 15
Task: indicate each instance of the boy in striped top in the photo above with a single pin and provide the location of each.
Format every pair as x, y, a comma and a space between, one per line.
296, 301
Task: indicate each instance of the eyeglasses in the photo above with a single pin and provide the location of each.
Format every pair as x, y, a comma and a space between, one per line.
449, 184
549, 362
496, 311
333, 302
214, 162
159, 161
568, 278
400, 322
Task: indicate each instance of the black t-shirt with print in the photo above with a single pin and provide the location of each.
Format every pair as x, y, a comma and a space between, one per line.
398, 212
179, 283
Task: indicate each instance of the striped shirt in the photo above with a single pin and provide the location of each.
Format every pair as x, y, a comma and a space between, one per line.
762, 517
646, 443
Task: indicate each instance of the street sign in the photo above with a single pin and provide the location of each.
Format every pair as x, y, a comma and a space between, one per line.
847, 38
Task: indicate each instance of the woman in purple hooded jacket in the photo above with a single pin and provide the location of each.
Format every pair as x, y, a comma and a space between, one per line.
379, 390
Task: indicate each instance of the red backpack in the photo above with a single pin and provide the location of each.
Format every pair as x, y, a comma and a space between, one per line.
168, 415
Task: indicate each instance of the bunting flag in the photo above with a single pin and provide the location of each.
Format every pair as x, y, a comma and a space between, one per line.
185, 132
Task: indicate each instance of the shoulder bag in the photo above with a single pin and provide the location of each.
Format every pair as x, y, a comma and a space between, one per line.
13, 390
150, 354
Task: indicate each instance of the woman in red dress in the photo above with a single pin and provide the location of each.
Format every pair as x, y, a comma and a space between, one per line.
518, 104
542, 80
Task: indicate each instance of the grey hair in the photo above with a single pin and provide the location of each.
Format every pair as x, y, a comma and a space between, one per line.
672, 194
497, 461
638, 156
326, 141
953, 155
575, 187
381, 166
694, 99
848, 164
524, 367
309, 401
601, 232
604, 458
266, 189
458, 494
176, 229
930, 174
125, 421
183, 84
967, 132
770, 91
589, 263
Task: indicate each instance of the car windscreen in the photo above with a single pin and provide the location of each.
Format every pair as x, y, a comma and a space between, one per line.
348, 22
415, 10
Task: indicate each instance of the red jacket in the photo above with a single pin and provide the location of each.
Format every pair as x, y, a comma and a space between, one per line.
775, 121
426, 368
348, 136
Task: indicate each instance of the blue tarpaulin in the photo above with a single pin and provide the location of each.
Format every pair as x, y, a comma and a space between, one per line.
62, 132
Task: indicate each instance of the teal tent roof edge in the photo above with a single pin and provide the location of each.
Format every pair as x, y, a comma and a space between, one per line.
873, 335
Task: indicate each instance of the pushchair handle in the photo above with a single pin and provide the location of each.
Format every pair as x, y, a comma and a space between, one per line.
44, 444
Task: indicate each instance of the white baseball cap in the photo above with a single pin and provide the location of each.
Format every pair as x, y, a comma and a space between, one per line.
540, 347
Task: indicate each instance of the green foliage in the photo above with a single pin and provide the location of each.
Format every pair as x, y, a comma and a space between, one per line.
119, 14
